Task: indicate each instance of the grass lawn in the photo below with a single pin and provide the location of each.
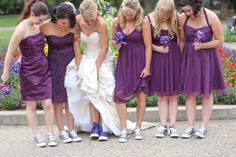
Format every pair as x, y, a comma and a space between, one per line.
8, 20
5, 38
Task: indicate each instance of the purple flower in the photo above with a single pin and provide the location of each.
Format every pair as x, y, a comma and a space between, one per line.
199, 36
164, 40
17, 66
119, 38
6, 89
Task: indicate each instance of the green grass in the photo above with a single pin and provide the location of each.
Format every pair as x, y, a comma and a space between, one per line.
231, 37
5, 38
8, 20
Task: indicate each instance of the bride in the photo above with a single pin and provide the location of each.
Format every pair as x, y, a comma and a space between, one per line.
90, 77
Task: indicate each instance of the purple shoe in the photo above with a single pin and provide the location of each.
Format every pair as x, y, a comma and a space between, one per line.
103, 136
94, 133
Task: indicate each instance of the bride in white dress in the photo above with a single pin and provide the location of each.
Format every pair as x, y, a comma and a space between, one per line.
90, 78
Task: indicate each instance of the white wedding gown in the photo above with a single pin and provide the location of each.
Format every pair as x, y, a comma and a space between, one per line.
89, 86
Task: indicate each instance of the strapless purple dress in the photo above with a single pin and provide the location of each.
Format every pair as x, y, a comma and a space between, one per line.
60, 54
35, 76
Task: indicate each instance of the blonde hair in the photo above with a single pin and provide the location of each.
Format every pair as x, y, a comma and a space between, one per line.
131, 7
168, 8
88, 8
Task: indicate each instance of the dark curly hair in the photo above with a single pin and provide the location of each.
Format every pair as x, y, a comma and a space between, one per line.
63, 11
195, 4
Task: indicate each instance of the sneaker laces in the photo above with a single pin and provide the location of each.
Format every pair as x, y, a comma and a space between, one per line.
161, 129
124, 134
173, 129
188, 130
202, 129
138, 132
38, 139
73, 133
51, 138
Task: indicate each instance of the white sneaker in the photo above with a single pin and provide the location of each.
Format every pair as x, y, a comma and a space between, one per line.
161, 132
173, 132
124, 136
188, 132
64, 137
201, 133
39, 141
51, 140
138, 135
74, 136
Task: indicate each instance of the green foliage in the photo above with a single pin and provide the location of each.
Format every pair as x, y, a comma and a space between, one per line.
10, 102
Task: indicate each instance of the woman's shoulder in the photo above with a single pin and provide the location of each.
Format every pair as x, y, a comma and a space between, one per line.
181, 18
46, 26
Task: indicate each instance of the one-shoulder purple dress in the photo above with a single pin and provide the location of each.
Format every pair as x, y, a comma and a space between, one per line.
35, 76
201, 71
60, 54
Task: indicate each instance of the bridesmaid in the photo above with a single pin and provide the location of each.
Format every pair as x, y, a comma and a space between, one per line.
60, 38
133, 65
201, 72
35, 77
165, 65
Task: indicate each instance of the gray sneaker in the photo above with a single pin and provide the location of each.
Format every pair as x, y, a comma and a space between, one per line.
124, 136
188, 132
173, 132
64, 137
51, 140
74, 136
39, 141
161, 131
201, 133
138, 134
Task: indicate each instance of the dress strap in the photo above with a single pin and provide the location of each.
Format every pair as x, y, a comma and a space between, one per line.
206, 17
186, 21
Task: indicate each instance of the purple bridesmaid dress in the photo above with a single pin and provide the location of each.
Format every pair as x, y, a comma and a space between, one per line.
35, 77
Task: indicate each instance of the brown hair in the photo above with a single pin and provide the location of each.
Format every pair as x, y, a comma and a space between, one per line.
38, 7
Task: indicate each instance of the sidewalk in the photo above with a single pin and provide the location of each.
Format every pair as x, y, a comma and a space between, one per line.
17, 141
220, 112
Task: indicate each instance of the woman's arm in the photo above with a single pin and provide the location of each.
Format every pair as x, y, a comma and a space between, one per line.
181, 20
76, 45
146, 31
13, 45
114, 30
103, 34
217, 32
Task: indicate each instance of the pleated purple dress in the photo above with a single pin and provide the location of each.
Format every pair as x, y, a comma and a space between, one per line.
130, 63
35, 76
201, 71
165, 68
60, 54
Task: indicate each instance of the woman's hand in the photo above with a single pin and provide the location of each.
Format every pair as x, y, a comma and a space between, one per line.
5, 77
116, 45
145, 73
197, 45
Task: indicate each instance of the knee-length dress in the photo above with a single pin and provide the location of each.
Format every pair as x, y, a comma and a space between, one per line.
35, 76
201, 71
60, 54
130, 64
165, 67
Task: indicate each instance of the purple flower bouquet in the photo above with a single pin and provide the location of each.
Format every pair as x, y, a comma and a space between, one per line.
6, 89
119, 38
199, 36
164, 40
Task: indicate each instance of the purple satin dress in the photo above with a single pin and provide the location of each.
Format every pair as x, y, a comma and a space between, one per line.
35, 77
201, 71
130, 64
60, 54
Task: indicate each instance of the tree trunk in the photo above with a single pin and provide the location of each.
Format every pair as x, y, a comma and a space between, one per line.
224, 5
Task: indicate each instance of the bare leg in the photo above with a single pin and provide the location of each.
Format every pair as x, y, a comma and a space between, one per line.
141, 107
122, 112
191, 109
58, 111
95, 115
163, 109
48, 114
207, 105
31, 115
173, 109
69, 118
